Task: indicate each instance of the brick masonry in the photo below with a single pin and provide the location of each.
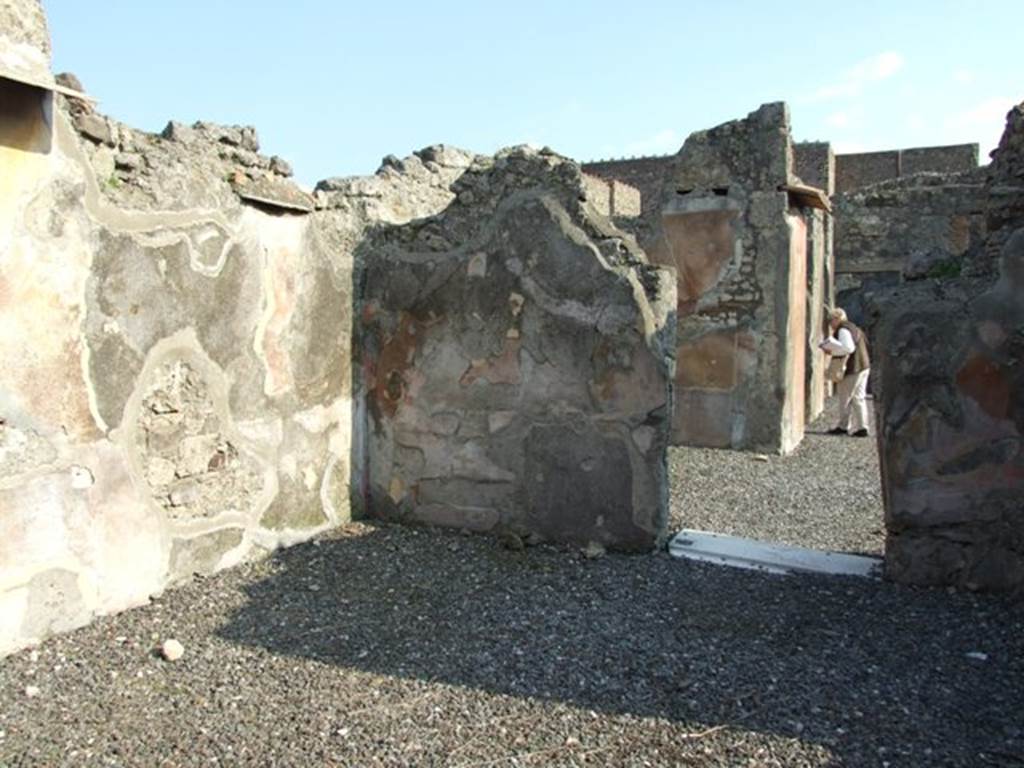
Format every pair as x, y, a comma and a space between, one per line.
862, 169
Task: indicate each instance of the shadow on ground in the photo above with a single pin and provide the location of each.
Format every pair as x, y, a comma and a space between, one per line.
870, 671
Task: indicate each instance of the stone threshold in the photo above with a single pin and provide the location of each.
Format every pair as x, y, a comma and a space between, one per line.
769, 557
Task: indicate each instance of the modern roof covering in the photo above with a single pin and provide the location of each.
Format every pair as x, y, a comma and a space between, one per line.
807, 197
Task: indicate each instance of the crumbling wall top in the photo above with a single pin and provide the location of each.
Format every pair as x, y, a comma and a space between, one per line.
755, 152
1008, 158
402, 189
514, 172
24, 37
203, 165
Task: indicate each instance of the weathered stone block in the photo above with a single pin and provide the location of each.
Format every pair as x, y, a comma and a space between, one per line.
95, 127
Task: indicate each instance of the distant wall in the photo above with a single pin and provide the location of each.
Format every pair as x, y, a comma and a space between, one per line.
900, 227
854, 171
612, 198
645, 174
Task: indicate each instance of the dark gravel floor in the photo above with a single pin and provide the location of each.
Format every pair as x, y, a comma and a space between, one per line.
826, 494
395, 646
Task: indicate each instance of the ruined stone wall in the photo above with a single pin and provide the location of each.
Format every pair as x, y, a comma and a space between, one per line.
181, 314
178, 328
1004, 188
950, 400
176, 396
729, 230
863, 169
913, 226
516, 362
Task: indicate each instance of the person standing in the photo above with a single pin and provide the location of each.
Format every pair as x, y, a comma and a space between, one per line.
847, 341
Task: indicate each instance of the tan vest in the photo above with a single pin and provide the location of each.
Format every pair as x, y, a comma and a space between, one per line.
859, 360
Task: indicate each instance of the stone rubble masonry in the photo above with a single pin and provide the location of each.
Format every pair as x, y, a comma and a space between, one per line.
905, 213
740, 251
863, 169
950, 404
1004, 209
517, 364
814, 163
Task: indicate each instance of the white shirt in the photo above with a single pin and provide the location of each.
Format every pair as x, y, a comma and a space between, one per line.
842, 344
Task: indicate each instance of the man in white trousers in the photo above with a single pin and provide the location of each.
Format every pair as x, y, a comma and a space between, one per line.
847, 341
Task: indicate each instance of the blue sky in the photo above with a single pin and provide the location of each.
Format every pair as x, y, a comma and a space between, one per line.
335, 86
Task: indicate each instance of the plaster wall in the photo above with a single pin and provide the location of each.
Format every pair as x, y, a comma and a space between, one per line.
949, 402
177, 394
728, 229
517, 363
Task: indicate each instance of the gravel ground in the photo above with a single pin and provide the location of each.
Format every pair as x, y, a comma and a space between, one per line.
382, 645
826, 494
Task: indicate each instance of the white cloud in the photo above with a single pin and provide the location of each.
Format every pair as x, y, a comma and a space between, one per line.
963, 77
848, 147
982, 115
837, 120
853, 81
661, 143
917, 123
983, 122
879, 67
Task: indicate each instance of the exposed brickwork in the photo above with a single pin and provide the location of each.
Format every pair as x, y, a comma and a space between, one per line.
862, 169
611, 197
646, 174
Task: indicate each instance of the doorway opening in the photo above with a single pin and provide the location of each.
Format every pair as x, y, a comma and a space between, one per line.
824, 497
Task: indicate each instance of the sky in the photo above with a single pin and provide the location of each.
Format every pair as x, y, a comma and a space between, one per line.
333, 86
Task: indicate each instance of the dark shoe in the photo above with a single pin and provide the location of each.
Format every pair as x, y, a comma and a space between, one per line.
836, 431
860, 433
